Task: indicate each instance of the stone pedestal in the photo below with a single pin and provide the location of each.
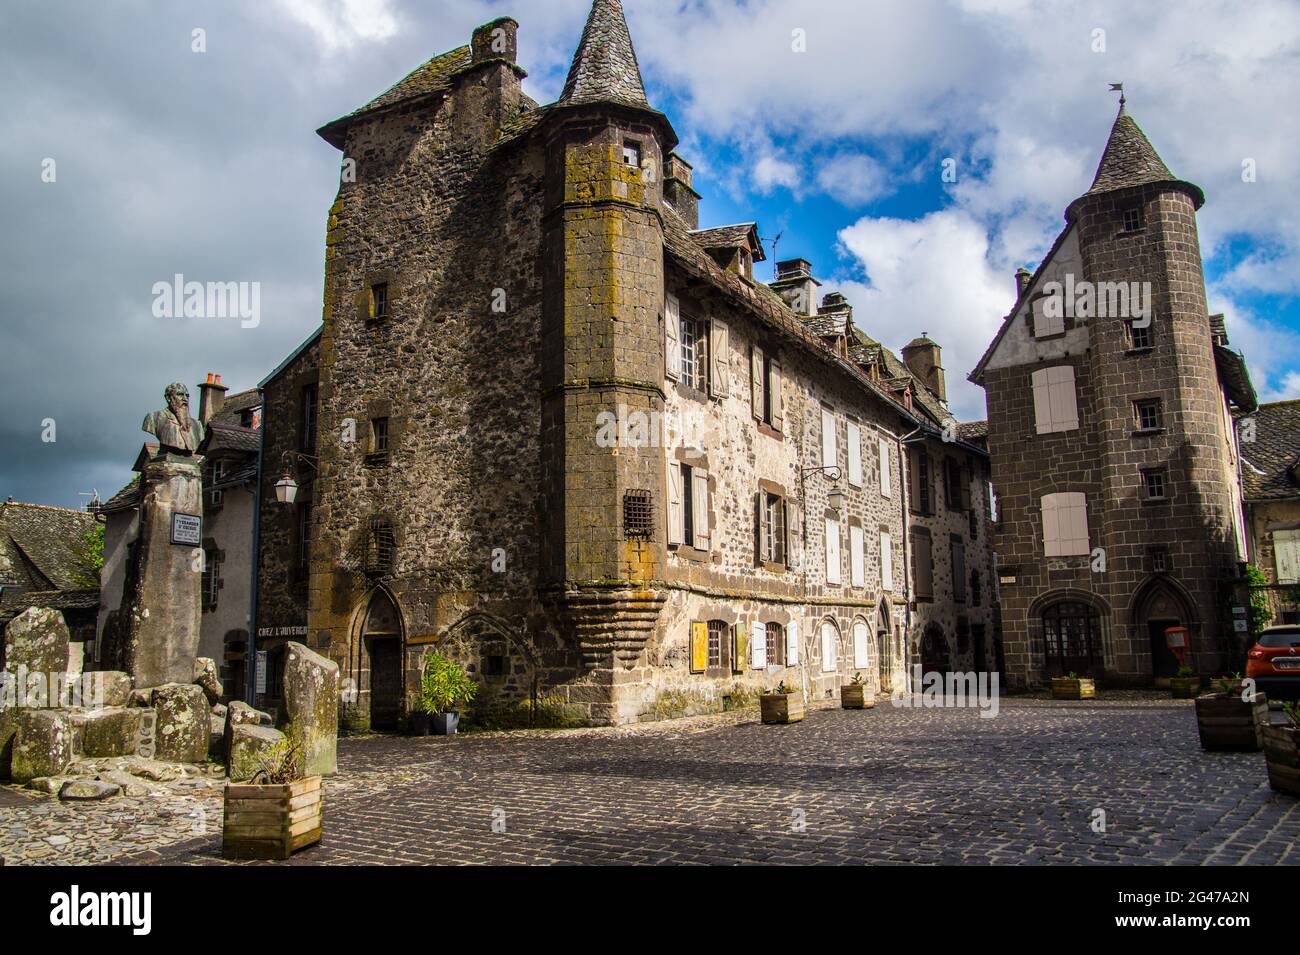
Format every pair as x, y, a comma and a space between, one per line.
159, 620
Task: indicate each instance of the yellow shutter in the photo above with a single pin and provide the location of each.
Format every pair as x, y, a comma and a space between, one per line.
699, 647
740, 649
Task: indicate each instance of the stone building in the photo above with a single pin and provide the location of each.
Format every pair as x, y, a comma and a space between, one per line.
1270, 472
562, 433
230, 451
1110, 395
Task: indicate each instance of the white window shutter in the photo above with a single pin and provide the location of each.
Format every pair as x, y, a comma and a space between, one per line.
886, 561
676, 519
861, 645
672, 337
1065, 524
886, 480
1042, 402
774, 385
1286, 556
855, 454
832, 552
719, 359
830, 453
857, 557
1045, 324
830, 648
756, 381
700, 504
792, 643
793, 539
1065, 404
758, 646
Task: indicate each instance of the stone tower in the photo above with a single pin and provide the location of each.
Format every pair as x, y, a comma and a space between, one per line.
603, 305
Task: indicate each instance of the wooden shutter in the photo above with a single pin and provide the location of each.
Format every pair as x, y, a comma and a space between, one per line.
958, 570
774, 386
886, 479
886, 561
756, 381
966, 478
1286, 556
1045, 324
764, 527
855, 454
857, 557
924, 565
861, 645
832, 552
758, 646
676, 518
699, 647
1065, 524
1065, 405
700, 503
672, 337
830, 648
830, 455
1042, 402
739, 648
793, 541
719, 359
792, 643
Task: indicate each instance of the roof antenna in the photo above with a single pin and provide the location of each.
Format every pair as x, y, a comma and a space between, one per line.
1119, 88
774, 242
94, 501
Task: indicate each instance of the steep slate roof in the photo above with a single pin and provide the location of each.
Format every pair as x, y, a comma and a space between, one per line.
41, 548
233, 408
1271, 464
123, 500
731, 237
223, 437
1130, 160
604, 68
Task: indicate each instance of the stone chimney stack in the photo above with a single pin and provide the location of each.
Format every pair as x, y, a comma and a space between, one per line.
795, 283
678, 192
921, 356
1023, 277
498, 40
212, 395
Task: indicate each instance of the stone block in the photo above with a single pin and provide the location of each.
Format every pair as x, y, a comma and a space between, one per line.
38, 640
249, 743
88, 790
311, 698
111, 731
239, 713
42, 744
182, 725
115, 687
8, 727
205, 676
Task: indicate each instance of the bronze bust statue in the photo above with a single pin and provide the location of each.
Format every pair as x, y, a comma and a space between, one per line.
175, 430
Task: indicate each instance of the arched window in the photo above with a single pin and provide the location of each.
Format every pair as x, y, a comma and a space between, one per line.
861, 644
1071, 638
830, 646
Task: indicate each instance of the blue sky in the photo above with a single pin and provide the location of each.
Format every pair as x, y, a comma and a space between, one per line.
825, 120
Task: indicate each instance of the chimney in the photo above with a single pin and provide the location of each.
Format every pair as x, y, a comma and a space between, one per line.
921, 356
498, 40
1023, 277
795, 283
678, 192
212, 395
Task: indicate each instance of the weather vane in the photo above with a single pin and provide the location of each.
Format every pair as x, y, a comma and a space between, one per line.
1118, 88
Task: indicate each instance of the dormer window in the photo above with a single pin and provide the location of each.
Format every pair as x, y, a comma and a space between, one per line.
632, 154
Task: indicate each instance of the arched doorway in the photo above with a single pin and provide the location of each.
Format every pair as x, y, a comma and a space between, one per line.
381, 639
1159, 605
934, 650
884, 648
1071, 639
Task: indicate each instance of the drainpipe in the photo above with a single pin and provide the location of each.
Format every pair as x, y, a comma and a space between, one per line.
905, 505
250, 654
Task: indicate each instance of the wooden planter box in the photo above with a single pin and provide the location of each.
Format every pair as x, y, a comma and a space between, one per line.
853, 696
1185, 687
271, 822
1282, 750
1063, 688
1229, 722
781, 707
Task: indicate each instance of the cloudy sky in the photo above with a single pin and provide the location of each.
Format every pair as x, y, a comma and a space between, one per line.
827, 121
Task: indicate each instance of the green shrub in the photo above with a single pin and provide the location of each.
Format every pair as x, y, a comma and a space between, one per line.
444, 686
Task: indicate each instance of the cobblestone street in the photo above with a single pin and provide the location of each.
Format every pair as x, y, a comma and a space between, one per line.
886, 785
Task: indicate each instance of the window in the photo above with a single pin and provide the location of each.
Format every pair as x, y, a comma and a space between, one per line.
216, 473
1047, 321
886, 477
855, 454
832, 551
886, 561
380, 547
765, 389
1071, 638
974, 524
638, 515
1055, 406
923, 559
1146, 413
1139, 336
830, 647
922, 493
717, 639
1159, 560
1132, 219
1065, 524
957, 553
494, 664
993, 501
771, 528
776, 648
1286, 556
307, 419
379, 301
378, 453
688, 506
830, 451
695, 353
211, 578
857, 557
955, 489
1153, 481
861, 645
304, 536
632, 154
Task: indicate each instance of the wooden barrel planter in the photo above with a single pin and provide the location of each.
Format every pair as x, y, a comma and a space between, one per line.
1229, 722
853, 696
1282, 751
1184, 687
271, 821
781, 707
1067, 688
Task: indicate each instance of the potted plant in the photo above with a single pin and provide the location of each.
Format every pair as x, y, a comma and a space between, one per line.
1282, 751
781, 705
1073, 687
279, 811
1231, 716
853, 695
444, 686
1186, 684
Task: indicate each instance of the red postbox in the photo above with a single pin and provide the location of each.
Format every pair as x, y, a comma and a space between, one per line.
1176, 641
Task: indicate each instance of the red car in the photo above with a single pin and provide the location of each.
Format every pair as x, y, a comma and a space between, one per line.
1274, 662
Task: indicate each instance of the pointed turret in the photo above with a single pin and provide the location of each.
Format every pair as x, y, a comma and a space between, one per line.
604, 68
1130, 160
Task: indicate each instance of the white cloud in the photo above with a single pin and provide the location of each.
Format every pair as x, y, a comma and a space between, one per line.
771, 171
340, 24
853, 179
1270, 349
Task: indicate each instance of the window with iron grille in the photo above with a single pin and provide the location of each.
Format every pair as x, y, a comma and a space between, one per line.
695, 353
1159, 560
380, 545
1139, 336
307, 437
1156, 485
379, 301
1133, 219
638, 515
1147, 413
775, 645
717, 639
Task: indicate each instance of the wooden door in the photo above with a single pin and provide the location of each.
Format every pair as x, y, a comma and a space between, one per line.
385, 683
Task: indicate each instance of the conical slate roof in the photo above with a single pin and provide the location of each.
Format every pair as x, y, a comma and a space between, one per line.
604, 68
1130, 160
